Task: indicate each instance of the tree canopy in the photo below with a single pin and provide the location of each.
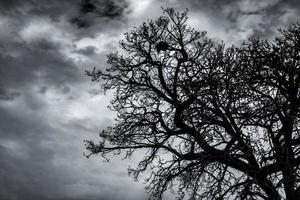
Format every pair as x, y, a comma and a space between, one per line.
217, 122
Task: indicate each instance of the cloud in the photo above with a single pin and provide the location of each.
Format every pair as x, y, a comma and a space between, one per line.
88, 51
41, 151
89, 11
8, 95
233, 21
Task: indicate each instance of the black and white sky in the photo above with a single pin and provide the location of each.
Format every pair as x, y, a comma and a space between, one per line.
48, 106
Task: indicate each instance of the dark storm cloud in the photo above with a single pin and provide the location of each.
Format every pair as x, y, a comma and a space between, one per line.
89, 10
277, 16
263, 17
38, 61
8, 95
57, 8
93, 15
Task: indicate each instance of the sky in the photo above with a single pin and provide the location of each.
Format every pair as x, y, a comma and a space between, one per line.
48, 106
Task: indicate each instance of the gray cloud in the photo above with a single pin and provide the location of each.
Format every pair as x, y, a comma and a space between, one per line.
8, 95
39, 60
256, 17
90, 11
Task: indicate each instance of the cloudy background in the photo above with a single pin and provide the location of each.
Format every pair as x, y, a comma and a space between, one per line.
48, 106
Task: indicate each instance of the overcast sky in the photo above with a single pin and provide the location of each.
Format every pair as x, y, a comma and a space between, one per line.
48, 106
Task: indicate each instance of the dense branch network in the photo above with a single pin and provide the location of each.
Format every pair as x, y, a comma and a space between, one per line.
217, 122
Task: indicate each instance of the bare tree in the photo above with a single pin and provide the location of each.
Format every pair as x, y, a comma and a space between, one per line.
217, 122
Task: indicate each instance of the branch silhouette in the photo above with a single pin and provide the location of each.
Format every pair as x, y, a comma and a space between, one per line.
228, 118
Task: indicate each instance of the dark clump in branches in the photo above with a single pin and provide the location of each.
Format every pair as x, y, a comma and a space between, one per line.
228, 118
162, 46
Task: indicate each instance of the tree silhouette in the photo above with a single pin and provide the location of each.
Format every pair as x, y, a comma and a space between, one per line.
217, 122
